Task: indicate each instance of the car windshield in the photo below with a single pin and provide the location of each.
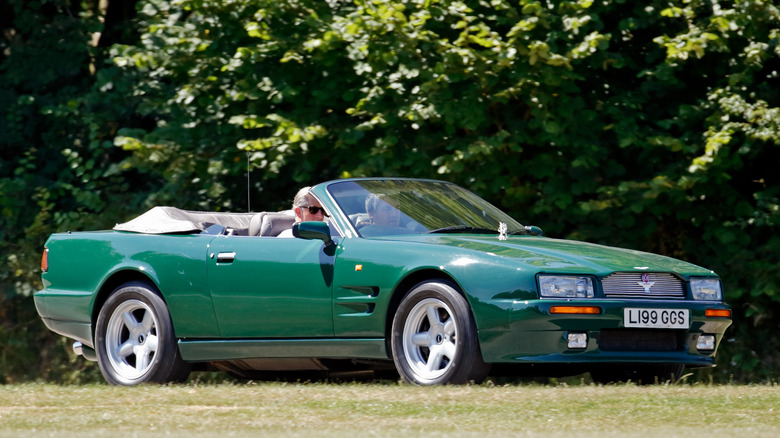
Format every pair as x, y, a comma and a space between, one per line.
390, 207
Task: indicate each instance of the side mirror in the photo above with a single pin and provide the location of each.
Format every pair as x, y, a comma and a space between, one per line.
315, 231
534, 230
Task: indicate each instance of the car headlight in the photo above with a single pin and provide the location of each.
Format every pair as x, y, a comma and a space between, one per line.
707, 289
565, 286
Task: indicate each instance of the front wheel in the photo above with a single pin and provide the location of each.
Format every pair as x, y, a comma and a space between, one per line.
434, 337
134, 339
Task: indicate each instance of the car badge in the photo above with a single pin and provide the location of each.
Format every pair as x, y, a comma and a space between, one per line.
646, 283
502, 231
641, 268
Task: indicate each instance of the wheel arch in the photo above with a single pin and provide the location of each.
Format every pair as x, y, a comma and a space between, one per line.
404, 286
112, 283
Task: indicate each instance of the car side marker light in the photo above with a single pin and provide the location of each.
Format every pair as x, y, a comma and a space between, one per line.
45, 260
718, 313
576, 310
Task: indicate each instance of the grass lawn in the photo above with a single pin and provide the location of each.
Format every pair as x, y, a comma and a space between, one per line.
351, 410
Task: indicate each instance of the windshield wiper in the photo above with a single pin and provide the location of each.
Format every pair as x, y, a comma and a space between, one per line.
464, 229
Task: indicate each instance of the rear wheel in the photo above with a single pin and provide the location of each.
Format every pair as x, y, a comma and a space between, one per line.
434, 337
134, 339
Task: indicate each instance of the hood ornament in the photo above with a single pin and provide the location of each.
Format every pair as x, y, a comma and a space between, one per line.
646, 283
502, 231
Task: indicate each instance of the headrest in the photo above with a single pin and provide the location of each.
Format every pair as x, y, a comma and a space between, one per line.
275, 223
255, 223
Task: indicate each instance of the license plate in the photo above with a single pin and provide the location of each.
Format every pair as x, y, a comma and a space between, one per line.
656, 318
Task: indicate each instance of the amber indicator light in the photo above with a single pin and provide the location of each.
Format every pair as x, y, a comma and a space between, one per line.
577, 310
45, 260
719, 313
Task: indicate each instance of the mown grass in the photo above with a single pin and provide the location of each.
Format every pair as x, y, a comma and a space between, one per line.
388, 409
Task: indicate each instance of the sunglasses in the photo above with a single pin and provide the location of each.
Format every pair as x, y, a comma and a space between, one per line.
315, 210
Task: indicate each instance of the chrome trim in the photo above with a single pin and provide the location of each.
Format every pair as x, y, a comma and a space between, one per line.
331, 220
627, 285
351, 231
84, 351
226, 257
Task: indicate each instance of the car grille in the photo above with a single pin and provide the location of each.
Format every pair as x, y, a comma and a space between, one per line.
640, 340
627, 285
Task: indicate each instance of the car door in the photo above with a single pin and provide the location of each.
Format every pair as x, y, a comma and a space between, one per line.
270, 287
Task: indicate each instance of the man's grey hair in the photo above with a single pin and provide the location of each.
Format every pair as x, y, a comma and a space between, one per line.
300, 198
372, 201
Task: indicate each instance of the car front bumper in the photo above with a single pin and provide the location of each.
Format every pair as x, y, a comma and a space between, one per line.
535, 335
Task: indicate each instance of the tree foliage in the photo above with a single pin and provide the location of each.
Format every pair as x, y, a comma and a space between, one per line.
649, 125
59, 168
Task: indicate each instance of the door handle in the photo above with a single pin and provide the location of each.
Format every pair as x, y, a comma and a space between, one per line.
226, 257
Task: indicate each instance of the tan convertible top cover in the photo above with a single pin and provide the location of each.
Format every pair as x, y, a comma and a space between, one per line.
165, 220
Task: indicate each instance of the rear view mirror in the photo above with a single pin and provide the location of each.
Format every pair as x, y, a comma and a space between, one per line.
534, 230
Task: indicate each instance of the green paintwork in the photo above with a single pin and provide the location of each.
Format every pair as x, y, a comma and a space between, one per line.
234, 296
211, 350
275, 288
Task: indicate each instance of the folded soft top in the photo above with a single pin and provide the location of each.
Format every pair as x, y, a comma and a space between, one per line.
165, 220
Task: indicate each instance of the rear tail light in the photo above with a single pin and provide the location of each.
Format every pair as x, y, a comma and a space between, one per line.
45, 260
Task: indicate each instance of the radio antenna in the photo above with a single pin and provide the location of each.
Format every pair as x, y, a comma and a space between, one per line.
248, 186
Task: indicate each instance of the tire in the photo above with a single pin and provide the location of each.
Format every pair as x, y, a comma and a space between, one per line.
134, 339
644, 374
434, 337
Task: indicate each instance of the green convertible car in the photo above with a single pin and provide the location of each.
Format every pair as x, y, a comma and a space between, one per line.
419, 276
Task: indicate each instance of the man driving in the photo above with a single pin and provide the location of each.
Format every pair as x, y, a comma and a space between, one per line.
307, 208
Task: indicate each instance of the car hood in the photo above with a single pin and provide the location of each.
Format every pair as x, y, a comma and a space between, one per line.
563, 256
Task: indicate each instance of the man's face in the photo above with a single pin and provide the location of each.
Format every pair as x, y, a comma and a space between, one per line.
306, 215
386, 214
